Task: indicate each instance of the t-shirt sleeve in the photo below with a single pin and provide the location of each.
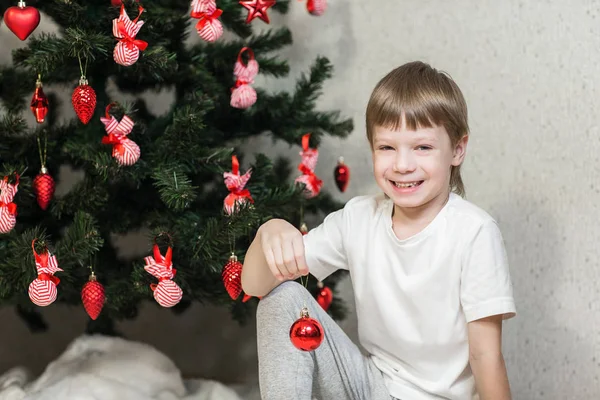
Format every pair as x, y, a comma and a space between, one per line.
486, 287
324, 246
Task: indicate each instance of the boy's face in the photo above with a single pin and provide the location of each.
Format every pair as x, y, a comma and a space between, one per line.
413, 167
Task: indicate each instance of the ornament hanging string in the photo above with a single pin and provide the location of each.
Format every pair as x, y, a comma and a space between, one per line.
164, 233
45, 151
230, 238
83, 70
305, 284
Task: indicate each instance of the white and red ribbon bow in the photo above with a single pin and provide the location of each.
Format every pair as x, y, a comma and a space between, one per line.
125, 150
209, 27
167, 293
127, 50
309, 161
42, 291
242, 94
8, 209
235, 184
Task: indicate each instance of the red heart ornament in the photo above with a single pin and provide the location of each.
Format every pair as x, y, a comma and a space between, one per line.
22, 20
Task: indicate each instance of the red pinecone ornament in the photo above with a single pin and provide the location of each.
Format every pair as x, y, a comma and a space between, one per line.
92, 296
43, 186
342, 175
306, 333
232, 277
84, 100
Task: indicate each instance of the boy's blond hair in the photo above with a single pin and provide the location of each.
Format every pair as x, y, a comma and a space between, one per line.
422, 97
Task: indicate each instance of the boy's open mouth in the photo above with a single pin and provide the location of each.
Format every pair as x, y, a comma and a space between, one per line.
406, 185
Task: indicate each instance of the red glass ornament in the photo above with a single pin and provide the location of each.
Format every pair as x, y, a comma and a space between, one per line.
22, 19
84, 101
306, 333
257, 9
342, 175
93, 297
43, 186
232, 277
116, 3
325, 296
316, 7
39, 103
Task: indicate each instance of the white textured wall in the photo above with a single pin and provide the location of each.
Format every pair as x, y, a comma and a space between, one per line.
528, 71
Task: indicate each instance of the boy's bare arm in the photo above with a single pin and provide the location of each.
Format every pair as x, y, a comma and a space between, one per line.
486, 359
276, 254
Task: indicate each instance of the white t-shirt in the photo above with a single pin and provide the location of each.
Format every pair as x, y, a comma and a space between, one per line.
414, 297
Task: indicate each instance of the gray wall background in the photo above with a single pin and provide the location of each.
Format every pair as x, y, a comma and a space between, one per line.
529, 71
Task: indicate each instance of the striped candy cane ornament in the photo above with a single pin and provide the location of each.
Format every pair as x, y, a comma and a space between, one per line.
167, 293
42, 291
209, 27
125, 150
242, 94
8, 209
127, 50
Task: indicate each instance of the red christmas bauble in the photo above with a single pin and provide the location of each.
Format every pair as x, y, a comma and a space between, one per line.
306, 333
232, 277
93, 297
316, 7
43, 186
84, 101
22, 19
39, 103
342, 175
325, 297
116, 3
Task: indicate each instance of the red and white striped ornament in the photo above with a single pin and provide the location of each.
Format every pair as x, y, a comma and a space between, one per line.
311, 181
209, 27
8, 209
167, 293
316, 7
242, 94
235, 184
42, 291
125, 150
127, 51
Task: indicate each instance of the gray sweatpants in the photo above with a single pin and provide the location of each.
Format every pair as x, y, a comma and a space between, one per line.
337, 370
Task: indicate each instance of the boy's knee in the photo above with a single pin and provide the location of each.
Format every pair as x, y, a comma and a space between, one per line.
287, 294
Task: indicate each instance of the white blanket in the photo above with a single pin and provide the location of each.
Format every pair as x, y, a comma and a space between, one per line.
107, 368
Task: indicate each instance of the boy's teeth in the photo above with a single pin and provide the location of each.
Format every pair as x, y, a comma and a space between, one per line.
406, 185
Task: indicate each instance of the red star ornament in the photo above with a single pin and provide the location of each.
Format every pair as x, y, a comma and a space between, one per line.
257, 9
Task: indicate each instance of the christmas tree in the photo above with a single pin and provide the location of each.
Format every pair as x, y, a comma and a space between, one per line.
164, 174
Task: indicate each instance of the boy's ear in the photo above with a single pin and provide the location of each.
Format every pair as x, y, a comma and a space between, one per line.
460, 150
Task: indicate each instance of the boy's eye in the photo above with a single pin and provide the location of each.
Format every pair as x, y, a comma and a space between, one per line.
386, 148
423, 147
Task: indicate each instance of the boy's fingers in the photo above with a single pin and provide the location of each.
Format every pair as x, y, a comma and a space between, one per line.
289, 259
271, 263
278, 255
298, 245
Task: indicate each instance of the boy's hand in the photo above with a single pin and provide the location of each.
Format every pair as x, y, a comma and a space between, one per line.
283, 248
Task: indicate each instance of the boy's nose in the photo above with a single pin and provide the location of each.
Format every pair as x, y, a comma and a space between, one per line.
404, 163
